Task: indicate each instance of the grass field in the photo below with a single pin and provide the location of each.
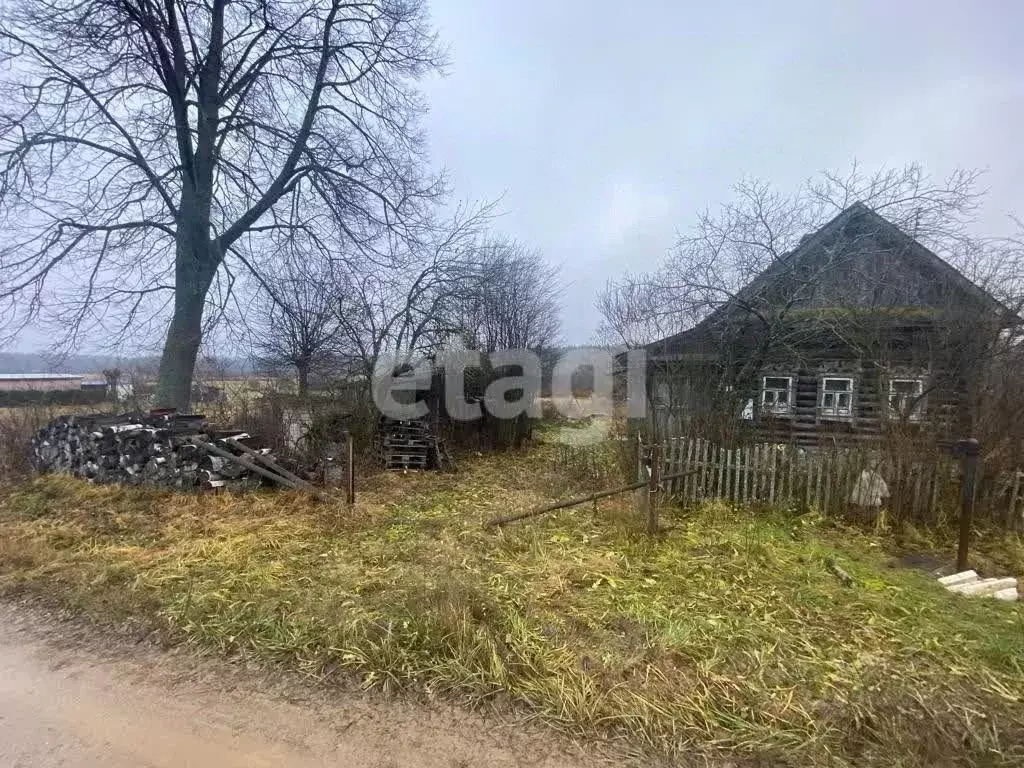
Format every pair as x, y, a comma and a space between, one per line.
726, 637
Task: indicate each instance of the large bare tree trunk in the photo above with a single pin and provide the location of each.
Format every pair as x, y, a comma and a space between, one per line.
319, 103
195, 267
184, 334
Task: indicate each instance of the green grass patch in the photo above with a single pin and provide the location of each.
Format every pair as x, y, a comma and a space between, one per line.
724, 637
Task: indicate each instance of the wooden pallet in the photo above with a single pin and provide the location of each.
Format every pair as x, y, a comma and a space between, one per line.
410, 444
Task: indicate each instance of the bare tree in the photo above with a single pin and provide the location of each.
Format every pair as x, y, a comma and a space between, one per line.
296, 321
726, 250
513, 301
719, 270
151, 152
409, 306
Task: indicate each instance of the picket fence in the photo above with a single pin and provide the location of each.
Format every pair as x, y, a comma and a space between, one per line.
924, 487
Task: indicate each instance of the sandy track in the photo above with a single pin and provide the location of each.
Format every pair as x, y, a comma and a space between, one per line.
74, 696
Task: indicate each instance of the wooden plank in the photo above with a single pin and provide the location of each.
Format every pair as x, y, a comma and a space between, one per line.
755, 465
760, 477
809, 485
773, 460
737, 462
680, 483
720, 491
689, 483
916, 508
680, 466
840, 493
665, 466
817, 483
791, 458
698, 468
741, 475
720, 467
897, 509
758, 470
244, 462
755, 452
763, 457
698, 477
731, 474
706, 474
1011, 512
505, 520
675, 465
653, 491
726, 453
830, 468
744, 472
350, 472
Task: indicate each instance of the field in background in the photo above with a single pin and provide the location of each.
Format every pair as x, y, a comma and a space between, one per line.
727, 636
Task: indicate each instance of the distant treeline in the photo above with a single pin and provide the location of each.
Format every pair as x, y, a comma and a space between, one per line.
36, 362
23, 397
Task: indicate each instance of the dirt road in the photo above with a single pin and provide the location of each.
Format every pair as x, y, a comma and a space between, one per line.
72, 698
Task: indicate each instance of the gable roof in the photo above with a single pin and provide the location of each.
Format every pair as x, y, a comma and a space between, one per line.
811, 246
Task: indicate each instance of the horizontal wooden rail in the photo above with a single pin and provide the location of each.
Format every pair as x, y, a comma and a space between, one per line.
253, 467
499, 521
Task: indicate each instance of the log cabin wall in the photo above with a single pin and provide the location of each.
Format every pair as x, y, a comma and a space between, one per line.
858, 300
686, 395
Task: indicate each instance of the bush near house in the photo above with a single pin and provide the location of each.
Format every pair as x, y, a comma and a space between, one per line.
726, 637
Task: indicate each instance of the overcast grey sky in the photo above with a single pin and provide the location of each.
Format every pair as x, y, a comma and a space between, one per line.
608, 126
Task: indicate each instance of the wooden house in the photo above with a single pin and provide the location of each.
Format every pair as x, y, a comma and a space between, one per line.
858, 330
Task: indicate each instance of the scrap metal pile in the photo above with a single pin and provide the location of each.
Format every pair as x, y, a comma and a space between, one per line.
160, 448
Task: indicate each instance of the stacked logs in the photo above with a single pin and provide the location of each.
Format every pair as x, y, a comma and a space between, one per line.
160, 448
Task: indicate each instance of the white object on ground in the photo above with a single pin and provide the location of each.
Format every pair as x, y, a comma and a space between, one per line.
869, 490
984, 587
968, 584
958, 578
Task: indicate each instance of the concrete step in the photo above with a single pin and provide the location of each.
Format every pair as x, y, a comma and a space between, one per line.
969, 584
983, 587
958, 578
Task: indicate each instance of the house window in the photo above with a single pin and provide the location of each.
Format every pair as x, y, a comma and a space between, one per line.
905, 398
836, 399
776, 395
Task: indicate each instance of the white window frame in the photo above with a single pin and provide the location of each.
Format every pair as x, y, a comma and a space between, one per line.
835, 411
917, 412
774, 408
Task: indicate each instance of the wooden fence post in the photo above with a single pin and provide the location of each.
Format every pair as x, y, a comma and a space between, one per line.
350, 472
1011, 513
968, 450
653, 488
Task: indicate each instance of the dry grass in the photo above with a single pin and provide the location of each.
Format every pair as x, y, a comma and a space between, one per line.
17, 425
725, 637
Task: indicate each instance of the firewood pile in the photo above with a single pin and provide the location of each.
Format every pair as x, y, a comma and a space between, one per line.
160, 448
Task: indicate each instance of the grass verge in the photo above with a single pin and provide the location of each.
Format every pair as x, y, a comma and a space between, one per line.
724, 638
